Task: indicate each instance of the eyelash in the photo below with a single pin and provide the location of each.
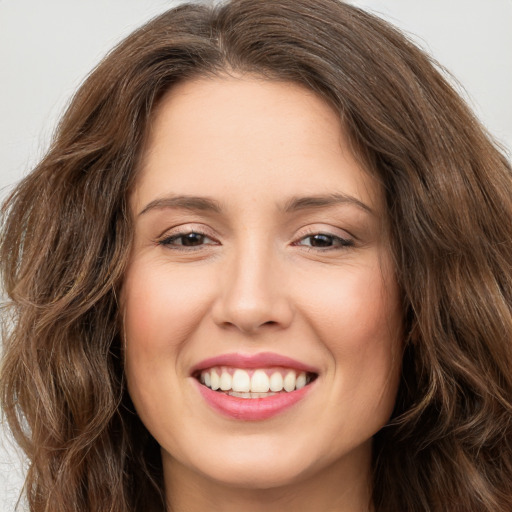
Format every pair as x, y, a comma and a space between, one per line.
168, 240
338, 242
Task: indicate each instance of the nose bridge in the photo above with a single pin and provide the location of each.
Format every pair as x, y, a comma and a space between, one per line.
252, 293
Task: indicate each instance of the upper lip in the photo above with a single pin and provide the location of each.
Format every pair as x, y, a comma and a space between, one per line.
259, 360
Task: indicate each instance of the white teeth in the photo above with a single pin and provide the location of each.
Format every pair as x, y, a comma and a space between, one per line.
276, 382
260, 383
215, 380
249, 395
225, 381
241, 381
301, 381
289, 381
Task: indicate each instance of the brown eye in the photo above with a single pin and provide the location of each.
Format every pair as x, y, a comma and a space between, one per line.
192, 239
321, 241
325, 241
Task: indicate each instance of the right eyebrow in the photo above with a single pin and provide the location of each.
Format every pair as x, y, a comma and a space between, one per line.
321, 201
186, 202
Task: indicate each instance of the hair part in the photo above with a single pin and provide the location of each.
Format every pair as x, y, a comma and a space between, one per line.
67, 236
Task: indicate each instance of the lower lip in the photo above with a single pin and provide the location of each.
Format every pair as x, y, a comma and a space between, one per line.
252, 409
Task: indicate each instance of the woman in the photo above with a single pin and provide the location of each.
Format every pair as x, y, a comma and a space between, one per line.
266, 264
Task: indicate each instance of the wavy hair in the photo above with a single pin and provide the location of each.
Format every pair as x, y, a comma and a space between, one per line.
67, 234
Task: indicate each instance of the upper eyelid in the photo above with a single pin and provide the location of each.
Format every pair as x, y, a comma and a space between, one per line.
179, 235
184, 229
338, 242
167, 241
315, 229
303, 232
343, 243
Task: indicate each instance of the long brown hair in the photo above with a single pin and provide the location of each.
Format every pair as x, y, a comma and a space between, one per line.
67, 234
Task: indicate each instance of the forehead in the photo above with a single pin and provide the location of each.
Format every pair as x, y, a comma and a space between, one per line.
223, 134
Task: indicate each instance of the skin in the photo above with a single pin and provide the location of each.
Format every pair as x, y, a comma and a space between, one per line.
258, 282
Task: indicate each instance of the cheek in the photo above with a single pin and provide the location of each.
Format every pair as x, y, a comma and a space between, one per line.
357, 316
359, 306
161, 307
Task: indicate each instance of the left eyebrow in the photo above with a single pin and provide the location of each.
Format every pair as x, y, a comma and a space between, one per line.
185, 202
294, 204
311, 202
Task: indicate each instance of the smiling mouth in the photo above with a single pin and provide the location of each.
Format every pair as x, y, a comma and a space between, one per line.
254, 382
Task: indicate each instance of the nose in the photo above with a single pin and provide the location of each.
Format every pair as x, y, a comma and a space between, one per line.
253, 294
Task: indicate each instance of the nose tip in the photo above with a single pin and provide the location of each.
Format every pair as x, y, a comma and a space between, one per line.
252, 318
252, 299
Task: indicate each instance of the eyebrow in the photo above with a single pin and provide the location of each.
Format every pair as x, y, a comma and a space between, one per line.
194, 203
298, 203
311, 202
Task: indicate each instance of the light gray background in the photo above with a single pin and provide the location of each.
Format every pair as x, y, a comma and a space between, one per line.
48, 47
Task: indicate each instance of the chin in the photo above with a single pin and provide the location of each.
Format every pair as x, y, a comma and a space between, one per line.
257, 476
262, 465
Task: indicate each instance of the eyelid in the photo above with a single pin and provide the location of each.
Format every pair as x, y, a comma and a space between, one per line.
304, 232
324, 229
184, 229
342, 240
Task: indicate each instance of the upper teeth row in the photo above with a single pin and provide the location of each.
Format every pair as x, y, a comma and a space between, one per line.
258, 382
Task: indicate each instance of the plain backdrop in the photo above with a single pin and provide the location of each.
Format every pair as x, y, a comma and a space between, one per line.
48, 47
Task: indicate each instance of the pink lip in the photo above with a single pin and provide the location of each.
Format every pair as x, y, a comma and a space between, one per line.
260, 360
252, 409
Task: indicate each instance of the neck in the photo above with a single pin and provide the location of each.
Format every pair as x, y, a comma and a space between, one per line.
333, 489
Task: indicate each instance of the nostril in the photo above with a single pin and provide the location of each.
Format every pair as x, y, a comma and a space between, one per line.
249, 327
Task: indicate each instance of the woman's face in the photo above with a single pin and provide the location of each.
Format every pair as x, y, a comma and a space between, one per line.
260, 263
